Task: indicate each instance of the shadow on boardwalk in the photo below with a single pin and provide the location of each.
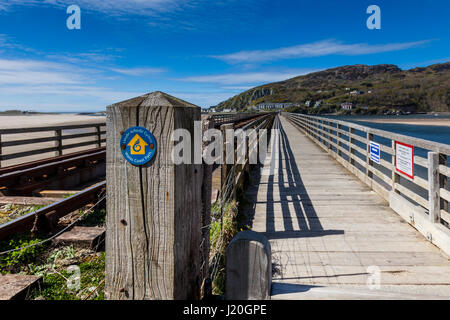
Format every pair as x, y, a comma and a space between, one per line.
291, 191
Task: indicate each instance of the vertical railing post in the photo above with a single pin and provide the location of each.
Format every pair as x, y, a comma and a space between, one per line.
395, 176
1, 151
433, 187
339, 137
154, 210
330, 135
369, 162
227, 147
351, 149
99, 137
58, 142
443, 182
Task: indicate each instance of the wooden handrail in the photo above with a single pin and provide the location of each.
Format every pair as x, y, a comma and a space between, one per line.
354, 154
58, 138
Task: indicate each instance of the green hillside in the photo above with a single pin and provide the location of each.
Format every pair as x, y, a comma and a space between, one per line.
379, 88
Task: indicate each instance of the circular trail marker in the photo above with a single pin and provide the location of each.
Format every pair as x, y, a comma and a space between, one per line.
138, 145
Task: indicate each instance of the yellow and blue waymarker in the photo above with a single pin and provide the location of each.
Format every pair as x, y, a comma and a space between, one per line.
138, 145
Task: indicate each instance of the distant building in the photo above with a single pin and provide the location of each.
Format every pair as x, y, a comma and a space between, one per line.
356, 93
274, 106
308, 103
226, 110
347, 106
318, 104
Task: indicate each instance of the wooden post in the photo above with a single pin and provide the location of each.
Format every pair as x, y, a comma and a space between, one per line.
99, 137
352, 150
249, 267
1, 152
58, 142
339, 137
154, 211
207, 124
369, 162
395, 177
433, 187
443, 182
227, 146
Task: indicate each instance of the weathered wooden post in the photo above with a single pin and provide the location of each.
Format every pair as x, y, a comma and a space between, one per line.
369, 162
339, 138
249, 267
351, 150
99, 136
395, 176
433, 187
227, 152
1, 152
207, 124
58, 142
154, 210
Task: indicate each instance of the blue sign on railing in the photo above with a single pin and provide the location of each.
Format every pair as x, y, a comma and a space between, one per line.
375, 153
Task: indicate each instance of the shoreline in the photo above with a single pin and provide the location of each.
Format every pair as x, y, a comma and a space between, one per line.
420, 122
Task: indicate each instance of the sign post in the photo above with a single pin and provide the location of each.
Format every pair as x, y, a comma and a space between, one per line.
154, 206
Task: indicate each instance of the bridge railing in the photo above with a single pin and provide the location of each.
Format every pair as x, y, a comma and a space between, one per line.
39, 142
349, 144
225, 118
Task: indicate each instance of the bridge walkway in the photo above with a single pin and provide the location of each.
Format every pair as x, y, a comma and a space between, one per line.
329, 230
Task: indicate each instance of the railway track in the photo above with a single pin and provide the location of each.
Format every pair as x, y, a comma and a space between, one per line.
46, 219
25, 180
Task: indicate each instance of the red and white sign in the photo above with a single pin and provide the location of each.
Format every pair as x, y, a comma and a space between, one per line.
404, 159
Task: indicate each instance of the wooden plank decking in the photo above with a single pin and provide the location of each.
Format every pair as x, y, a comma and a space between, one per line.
326, 227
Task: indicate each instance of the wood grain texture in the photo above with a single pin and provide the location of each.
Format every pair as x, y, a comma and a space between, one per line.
154, 211
249, 267
326, 226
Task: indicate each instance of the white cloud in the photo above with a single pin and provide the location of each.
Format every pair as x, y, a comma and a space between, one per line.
138, 71
111, 7
40, 84
35, 72
247, 78
315, 49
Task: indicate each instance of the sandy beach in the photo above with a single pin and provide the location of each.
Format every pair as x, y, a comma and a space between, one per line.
412, 121
29, 121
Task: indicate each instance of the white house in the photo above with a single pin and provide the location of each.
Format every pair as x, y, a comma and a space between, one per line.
347, 106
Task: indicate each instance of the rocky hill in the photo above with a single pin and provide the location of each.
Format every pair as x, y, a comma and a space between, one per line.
377, 87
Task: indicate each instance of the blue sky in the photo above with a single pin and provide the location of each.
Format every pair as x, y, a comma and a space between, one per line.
203, 51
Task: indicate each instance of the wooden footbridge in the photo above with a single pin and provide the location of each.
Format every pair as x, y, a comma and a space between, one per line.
331, 235
337, 210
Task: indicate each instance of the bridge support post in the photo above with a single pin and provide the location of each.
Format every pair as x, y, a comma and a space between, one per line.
153, 224
249, 267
